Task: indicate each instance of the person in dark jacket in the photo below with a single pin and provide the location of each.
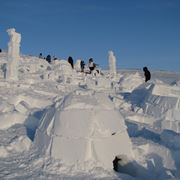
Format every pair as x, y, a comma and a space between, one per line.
82, 66
40, 56
70, 61
91, 65
48, 58
147, 74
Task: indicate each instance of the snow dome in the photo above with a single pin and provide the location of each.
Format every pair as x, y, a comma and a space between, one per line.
84, 127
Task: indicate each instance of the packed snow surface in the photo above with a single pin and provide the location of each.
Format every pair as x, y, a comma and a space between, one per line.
59, 123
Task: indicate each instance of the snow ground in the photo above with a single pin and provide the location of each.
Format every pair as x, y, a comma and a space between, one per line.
151, 112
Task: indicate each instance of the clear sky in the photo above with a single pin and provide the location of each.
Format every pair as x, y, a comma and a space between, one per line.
139, 32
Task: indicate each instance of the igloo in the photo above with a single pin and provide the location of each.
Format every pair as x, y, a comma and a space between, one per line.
84, 128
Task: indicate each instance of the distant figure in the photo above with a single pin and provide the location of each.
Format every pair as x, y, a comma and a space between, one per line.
82, 66
54, 58
91, 65
48, 58
0, 50
70, 61
147, 74
115, 164
40, 56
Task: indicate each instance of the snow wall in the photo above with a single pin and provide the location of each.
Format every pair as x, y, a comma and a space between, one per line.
161, 101
84, 127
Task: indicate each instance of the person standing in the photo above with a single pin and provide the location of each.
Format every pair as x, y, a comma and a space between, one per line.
91, 65
70, 61
147, 74
82, 65
40, 56
48, 58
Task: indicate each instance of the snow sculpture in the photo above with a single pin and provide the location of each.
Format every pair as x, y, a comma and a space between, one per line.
80, 131
112, 63
78, 65
13, 54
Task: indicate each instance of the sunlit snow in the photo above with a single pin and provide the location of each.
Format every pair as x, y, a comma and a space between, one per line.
59, 123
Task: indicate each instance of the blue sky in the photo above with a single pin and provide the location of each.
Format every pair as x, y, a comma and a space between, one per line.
139, 32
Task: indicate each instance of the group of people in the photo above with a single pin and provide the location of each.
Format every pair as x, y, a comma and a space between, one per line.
91, 64
47, 58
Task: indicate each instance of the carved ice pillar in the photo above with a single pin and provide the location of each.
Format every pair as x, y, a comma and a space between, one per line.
112, 63
13, 54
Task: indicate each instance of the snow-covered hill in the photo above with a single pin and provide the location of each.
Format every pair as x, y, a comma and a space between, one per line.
57, 123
